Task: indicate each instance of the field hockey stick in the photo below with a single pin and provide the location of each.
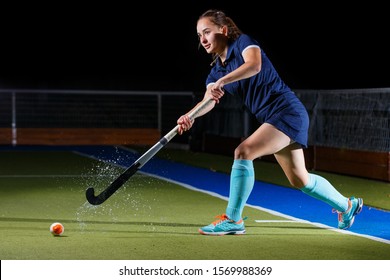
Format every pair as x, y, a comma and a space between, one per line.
130, 171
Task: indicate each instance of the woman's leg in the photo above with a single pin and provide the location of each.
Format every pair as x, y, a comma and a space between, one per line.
264, 141
292, 161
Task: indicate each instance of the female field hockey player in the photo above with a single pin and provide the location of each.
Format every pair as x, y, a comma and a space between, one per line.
241, 67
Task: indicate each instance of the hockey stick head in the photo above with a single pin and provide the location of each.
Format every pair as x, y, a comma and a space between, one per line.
92, 199
112, 188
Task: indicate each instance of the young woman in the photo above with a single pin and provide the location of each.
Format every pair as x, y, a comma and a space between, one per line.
241, 67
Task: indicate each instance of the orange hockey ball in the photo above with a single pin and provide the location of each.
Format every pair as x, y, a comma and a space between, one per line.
56, 229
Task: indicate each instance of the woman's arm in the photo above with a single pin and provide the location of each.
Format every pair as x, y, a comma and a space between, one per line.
250, 67
186, 122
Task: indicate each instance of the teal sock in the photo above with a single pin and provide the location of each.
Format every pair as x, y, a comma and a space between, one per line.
318, 187
242, 179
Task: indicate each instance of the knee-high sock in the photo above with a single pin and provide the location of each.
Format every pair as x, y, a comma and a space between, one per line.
242, 179
318, 187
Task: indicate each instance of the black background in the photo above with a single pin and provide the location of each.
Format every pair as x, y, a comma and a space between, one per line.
154, 46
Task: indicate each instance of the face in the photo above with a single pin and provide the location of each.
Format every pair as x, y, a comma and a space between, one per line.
211, 36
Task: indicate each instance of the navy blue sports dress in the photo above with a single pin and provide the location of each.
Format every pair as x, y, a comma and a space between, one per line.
265, 94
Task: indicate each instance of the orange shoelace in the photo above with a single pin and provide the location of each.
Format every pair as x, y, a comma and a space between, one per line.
220, 218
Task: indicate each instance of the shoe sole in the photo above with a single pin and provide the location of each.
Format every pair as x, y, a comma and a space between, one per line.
238, 232
358, 209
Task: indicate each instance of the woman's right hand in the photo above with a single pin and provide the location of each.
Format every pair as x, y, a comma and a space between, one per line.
185, 123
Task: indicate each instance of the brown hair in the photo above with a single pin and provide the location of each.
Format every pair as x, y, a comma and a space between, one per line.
220, 19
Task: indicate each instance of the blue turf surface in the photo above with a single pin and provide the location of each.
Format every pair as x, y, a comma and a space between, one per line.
291, 202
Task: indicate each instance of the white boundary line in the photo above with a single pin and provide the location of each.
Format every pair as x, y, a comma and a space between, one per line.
276, 213
281, 221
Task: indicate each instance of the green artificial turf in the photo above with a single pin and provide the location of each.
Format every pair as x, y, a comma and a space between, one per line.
147, 219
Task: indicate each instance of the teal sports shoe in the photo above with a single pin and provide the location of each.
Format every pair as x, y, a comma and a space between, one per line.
346, 219
224, 226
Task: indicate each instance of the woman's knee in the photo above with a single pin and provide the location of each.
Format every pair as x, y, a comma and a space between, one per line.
298, 181
242, 152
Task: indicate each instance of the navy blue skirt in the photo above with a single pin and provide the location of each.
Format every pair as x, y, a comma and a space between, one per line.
290, 116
